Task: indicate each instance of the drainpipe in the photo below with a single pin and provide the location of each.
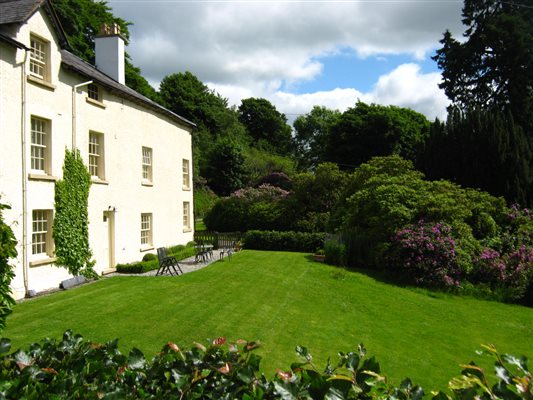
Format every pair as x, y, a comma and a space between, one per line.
74, 89
25, 271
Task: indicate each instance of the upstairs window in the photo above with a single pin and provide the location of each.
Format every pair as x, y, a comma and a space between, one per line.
93, 92
147, 164
96, 155
186, 174
39, 53
40, 145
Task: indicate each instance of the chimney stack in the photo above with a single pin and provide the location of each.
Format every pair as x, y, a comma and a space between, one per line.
109, 51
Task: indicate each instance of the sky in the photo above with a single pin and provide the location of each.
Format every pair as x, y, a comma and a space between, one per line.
298, 54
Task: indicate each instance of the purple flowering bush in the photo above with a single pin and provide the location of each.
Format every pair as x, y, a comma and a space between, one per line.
506, 266
511, 273
426, 252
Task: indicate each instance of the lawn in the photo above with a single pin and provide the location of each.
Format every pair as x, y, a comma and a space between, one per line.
284, 300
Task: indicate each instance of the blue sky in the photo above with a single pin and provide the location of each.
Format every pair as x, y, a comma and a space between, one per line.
348, 70
298, 53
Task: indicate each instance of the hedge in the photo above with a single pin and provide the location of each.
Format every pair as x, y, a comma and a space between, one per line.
283, 241
76, 368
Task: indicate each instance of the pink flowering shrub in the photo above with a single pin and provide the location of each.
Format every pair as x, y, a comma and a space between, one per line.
265, 192
511, 273
426, 253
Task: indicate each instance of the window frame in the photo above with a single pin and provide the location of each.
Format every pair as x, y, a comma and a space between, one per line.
42, 245
186, 216
94, 92
40, 150
147, 160
186, 174
39, 64
147, 229
96, 169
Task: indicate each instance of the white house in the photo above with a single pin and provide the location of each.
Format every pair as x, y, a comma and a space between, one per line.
138, 153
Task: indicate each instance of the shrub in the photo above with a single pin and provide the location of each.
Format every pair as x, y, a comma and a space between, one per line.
508, 274
426, 254
149, 257
77, 368
8, 250
335, 252
283, 241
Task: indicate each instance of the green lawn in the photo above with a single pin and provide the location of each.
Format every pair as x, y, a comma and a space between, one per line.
284, 300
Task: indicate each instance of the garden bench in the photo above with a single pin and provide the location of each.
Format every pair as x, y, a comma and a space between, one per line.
166, 263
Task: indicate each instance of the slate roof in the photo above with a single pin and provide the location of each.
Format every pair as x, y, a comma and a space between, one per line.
19, 11
76, 64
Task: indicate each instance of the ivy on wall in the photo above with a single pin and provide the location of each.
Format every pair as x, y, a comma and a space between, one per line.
71, 222
7, 250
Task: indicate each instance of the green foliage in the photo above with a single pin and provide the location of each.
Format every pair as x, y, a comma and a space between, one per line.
8, 250
485, 149
204, 200
314, 196
71, 221
266, 126
491, 67
365, 131
149, 257
75, 367
283, 241
225, 171
249, 208
311, 132
260, 163
335, 252
387, 194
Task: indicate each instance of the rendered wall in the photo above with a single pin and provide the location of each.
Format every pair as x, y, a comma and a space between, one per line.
126, 128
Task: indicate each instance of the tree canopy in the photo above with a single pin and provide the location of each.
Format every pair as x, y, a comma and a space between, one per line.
365, 131
265, 124
311, 133
493, 66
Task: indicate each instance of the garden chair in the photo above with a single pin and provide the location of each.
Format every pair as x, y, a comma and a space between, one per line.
166, 263
229, 250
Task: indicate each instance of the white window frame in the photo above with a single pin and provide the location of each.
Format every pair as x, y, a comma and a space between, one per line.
147, 164
93, 92
41, 237
39, 57
186, 216
96, 155
186, 173
40, 145
147, 231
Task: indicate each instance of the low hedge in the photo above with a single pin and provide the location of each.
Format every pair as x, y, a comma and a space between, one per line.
283, 241
74, 368
151, 263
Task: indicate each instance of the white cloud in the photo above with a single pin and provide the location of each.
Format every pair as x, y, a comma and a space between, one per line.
250, 48
406, 86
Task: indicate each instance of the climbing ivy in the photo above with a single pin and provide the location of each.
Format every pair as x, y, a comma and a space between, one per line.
7, 250
71, 222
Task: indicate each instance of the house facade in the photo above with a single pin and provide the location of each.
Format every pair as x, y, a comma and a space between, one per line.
138, 153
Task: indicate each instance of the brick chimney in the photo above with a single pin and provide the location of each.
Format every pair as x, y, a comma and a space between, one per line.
109, 52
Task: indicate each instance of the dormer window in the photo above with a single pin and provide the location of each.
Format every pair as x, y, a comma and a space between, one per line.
39, 61
93, 91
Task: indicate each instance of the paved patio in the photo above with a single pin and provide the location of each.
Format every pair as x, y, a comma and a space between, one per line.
187, 265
